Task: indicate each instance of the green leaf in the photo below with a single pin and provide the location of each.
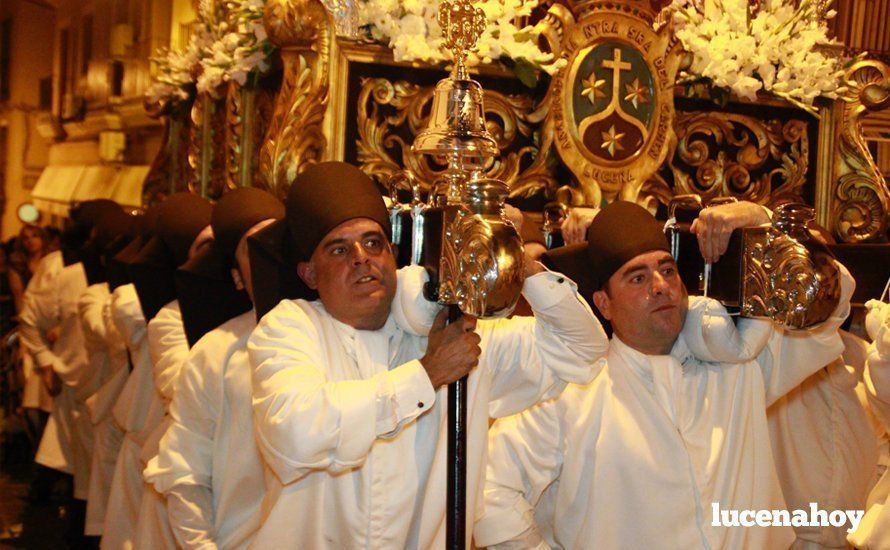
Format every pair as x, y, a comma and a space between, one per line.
526, 73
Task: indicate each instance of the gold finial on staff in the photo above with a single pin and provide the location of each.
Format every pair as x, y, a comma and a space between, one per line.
462, 25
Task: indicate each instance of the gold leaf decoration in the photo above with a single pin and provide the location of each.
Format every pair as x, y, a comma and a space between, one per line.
301, 30
861, 198
248, 110
733, 155
391, 113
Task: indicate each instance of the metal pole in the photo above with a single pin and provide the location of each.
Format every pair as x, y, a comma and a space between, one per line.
456, 526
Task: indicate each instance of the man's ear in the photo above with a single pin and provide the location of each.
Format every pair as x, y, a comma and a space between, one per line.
306, 271
602, 303
394, 248
236, 277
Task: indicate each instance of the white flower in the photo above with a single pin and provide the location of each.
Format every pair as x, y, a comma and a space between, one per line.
412, 24
411, 29
773, 49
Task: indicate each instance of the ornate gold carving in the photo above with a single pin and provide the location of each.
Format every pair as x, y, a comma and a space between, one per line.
612, 105
726, 154
207, 145
861, 198
248, 110
301, 30
553, 27
391, 113
295, 23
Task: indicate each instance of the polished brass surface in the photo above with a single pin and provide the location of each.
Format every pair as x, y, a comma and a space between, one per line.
462, 24
457, 121
490, 257
778, 272
479, 251
389, 109
788, 276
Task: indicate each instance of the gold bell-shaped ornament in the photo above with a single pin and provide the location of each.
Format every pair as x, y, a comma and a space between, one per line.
473, 253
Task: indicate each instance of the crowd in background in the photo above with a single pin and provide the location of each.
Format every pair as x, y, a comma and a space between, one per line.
24, 409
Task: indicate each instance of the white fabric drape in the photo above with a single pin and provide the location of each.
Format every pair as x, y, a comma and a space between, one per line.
208, 464
354, 434
636, 458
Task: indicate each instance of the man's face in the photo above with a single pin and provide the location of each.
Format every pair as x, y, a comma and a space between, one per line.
241, 273
354, 271
646, 302
32, 242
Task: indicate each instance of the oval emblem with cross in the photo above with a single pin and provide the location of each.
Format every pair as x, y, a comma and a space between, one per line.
612, 101
612, 126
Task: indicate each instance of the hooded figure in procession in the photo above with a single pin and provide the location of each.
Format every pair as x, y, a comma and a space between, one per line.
208, 466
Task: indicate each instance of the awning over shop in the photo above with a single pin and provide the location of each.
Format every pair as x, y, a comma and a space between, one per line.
61, 186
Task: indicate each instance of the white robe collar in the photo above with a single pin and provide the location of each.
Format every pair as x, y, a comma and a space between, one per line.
660, 374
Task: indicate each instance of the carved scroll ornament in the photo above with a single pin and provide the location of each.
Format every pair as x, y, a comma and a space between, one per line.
861, 198
733, 155
391, 113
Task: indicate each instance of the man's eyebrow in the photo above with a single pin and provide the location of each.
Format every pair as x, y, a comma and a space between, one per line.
332, 242
632, 270
342, 240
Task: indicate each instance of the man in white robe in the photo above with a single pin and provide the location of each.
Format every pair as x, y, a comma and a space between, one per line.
825, 450
873, 532
675, 426
107, 357
182, 231
50, 331
140, 409
168, 349
55, 446
132, 413
350, 405
208, 466
108, 353
53, 306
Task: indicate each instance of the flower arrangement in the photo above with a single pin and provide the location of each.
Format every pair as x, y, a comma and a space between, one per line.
231, 50
772, 46
173, 76
241, 47
411, 29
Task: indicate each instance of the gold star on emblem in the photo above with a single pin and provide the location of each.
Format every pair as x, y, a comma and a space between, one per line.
612, 141
593, 88
636, 93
